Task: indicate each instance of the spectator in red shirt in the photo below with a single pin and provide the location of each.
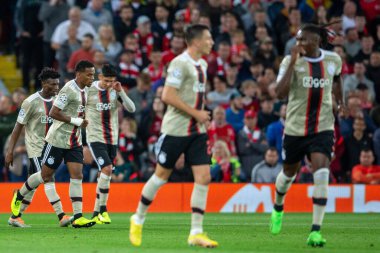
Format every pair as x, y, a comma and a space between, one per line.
366, 172
220, 130
131, 42
145, 37
177, 45
86, 52
221, 61
155, 68
128, 70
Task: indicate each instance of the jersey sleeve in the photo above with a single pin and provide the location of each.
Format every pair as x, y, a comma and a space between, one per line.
62, 99
338, 69
176, 73
283, 67
25, 112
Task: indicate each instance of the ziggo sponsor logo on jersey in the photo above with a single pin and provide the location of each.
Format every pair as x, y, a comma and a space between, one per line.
311, 82
103, 106
46, 120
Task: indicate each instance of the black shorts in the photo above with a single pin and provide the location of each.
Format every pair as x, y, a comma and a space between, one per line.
103, 154
52, 156
35, 165
296, 147
169, 148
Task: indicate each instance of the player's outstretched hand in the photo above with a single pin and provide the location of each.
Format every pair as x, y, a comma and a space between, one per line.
8, 160
202, 116
117, 86
85, 123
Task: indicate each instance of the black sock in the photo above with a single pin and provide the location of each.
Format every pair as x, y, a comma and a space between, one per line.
278, 208
103, 209
77, 216
95, 214
60, 216
315, 227
19, 196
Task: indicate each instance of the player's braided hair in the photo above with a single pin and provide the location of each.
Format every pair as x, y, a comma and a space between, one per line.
48, 73
322, 31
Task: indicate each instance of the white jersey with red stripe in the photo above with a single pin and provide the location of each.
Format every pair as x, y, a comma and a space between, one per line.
102, 114
310, 107
72, 101
34, 115
189, 78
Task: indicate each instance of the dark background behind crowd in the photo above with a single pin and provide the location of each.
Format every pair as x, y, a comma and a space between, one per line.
251, 37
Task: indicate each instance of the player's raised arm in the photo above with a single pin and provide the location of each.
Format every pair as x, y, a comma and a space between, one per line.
126, 101
286, 72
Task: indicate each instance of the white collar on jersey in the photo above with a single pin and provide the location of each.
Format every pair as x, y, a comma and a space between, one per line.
44, 99
96, 85
186, 53
320, 58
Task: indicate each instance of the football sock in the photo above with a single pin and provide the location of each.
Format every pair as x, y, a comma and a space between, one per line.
55, 201
148, 193
25, 203
31, 184
75, 192
283, 184
96, 206
104, 187
198, 206
321, 181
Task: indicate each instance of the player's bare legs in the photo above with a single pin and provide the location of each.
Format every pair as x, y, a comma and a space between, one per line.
283, 182
102, 191
202, 178
320, 167
151, 187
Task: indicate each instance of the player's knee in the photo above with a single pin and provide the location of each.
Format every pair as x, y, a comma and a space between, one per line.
107, 170
203, 179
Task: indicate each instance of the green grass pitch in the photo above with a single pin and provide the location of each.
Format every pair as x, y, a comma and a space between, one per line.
168, 233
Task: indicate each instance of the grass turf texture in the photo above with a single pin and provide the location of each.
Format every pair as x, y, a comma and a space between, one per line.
168, 233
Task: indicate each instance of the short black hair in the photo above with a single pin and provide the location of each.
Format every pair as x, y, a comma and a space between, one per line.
194, 31
366, 150
48, 73
109, 70
81, 66
273, 149
89, 35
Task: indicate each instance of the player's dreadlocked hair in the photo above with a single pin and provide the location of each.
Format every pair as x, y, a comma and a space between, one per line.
47, 73
323, 31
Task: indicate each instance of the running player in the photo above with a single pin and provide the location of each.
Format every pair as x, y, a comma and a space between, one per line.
308, 78
183, 131
103, 132
63, 142
34, 116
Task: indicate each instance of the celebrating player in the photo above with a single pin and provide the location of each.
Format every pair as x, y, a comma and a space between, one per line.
63, 141
183, 131
34, 115
308, 78
103, 132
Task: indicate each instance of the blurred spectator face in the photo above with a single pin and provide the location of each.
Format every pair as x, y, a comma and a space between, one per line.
270, 75
321, 12
87, 43
359, 69
224, 51
366, 158
338, 40
125, 126
231, 23
219, 85
219, 116
214, 3
75, 15
340, 52
205, 20
261, 33
271, 157
367, 44
99, 58
359, 125
360, 22
220, 150
106, 32
143, 83
238, 38
161, 14
131, 43
158, 105
266, 45
237, 103
349, 9
260, 18
72, 31
155, 57
250, 121
177, 44
267, 106
375, 59
225, 4
97, 5
231, 72
354, 106
290, 3
256, 69
144, 28
126, 14
194, 16
178, 25
295, 17
251, 89
127, 57
5, 105
18, 97
352, 35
